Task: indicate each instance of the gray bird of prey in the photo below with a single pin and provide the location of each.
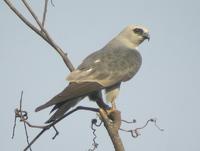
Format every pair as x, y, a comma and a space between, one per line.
107, 68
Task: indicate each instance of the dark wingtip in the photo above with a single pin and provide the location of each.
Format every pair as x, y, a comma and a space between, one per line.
36, 110
42, 107
39, 108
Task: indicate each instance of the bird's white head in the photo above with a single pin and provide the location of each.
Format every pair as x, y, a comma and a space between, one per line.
133, 35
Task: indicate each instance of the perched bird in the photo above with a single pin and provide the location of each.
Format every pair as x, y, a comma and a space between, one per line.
107, 68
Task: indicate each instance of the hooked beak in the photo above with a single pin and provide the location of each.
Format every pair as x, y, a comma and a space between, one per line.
146, 36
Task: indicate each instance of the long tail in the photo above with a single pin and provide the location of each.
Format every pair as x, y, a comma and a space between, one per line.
71, 93
62, 108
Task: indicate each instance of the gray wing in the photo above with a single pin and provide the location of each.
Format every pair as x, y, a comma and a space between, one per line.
108, 67
101, 69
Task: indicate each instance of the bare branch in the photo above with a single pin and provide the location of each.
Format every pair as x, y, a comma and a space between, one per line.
45, 12
50, 40
14, 126
41, 132
56, 134
32, 13
21, 114
129, 122
112, 124
45, 36
27, 138
74, 110
52, 3
55, 122
135, 132
23, 18
20, 107
155, 123
18, 114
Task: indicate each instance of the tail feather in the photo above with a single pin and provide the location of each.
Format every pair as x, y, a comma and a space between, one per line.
64, 107
72, 91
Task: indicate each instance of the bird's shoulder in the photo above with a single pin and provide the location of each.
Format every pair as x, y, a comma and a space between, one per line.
107, 66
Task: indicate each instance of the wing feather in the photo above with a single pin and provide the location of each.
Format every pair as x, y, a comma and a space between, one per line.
72, 91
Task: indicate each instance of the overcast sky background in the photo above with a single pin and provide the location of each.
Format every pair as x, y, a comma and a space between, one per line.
167, 86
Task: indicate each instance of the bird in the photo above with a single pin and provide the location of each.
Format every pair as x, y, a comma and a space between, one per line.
105, 69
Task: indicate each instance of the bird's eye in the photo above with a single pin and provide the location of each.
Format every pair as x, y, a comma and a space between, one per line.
138, 31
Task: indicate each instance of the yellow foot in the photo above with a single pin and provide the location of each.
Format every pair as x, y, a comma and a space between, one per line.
112, 109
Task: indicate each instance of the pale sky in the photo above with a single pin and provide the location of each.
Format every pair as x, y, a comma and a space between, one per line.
166, 87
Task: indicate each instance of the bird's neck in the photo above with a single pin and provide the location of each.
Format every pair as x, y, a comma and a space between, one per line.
123, 42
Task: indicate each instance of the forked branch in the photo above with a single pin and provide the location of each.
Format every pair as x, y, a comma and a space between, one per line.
42, 32
23, 117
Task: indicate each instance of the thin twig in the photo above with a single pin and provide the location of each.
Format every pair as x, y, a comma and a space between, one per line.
56, 134
44, 13
95, 144
21, 115
20, 105
52, 3
27, 138
50, 40
32, 13
135, 132
41, 132
155, 123
46, 37
74, 110
148, 121
129, 122
11, 6
55, 122
14, 126
20, 108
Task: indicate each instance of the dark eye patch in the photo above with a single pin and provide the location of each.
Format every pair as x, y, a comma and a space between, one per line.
138, 31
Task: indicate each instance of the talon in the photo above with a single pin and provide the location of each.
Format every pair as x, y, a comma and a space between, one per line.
110, 110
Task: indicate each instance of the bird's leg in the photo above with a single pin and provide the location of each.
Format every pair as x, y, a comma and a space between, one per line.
97, 97
113, 108
111, 94
103, 105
